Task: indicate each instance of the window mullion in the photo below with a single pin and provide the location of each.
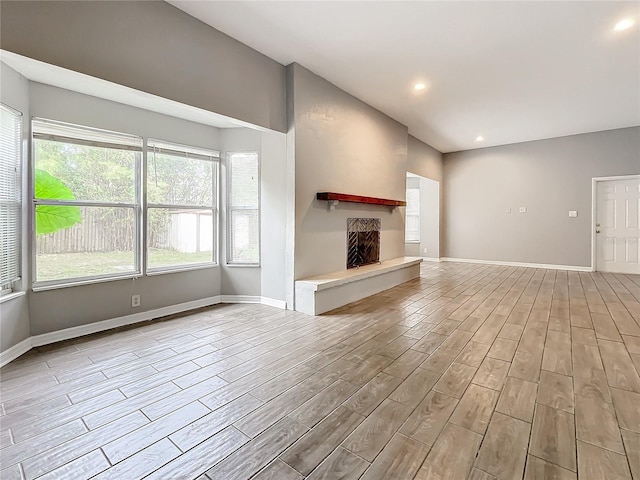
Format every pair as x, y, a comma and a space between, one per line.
184, 207
83, 203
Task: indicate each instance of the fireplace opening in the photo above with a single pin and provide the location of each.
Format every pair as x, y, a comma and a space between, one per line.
363, 241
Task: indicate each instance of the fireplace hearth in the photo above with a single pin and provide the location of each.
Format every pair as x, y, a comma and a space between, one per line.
363, 241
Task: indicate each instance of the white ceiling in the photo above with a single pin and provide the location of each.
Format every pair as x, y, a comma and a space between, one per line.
509, 71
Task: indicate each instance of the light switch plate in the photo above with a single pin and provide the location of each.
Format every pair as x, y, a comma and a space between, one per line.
523, 209
573, 213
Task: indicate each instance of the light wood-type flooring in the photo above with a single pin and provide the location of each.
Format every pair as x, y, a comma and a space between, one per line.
469, 372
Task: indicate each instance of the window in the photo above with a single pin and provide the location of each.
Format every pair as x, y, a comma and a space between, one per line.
181, 206
86, 203
412, 225
10, 197
243, 244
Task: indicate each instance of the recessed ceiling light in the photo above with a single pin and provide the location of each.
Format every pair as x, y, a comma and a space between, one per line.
624, 24
418, 87
479, 138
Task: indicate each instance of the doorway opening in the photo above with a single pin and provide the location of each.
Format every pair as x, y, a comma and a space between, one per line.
422, 217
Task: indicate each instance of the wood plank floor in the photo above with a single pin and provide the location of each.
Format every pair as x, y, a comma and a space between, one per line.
469, 372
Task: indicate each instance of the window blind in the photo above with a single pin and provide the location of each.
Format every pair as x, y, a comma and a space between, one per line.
10, 195
244, 207
95, 137
160, 147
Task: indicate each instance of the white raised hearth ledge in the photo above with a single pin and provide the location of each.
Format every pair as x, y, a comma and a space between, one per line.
317, 295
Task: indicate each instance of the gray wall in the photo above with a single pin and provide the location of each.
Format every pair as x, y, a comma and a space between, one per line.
14, 313
272, 215
342, 145
66, 105
61, 308
424, 160
153, 47
14, 322
69, 307
429, 218
549, 177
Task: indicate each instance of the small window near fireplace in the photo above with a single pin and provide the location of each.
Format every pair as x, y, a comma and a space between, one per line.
363, 241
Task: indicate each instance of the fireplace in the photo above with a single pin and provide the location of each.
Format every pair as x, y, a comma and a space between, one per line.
363, 241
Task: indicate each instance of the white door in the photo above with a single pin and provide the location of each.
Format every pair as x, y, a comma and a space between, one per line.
617, 225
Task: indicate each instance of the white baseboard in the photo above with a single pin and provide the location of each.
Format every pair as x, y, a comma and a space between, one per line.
547, 266
272, 302
82, 330
239, 299
432, 259
14, 352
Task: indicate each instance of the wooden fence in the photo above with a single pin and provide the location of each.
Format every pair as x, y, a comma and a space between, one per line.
101, 230
113, 229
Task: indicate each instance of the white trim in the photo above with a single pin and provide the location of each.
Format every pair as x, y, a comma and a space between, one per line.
81, 330
594, 206
616, 177
14, 352
573, 268
239, 299
432, 259
43, 286
184, 268
10, 296
272, 302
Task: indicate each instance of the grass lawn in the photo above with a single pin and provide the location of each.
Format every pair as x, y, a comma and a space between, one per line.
75, 265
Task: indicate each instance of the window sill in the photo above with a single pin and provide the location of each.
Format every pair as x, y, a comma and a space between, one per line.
152, 273
11, 296
413, 242
246, 265
78, 283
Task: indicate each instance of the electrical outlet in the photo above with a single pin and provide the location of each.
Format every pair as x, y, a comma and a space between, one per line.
425, 250
508, 210
573, 213
135, 301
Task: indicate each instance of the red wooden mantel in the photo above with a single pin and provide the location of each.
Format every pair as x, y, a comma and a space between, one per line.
345, 197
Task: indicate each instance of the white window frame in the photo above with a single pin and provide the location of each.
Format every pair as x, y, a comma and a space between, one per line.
136, 207
11, 286
412, 213
173, 148
230, 208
